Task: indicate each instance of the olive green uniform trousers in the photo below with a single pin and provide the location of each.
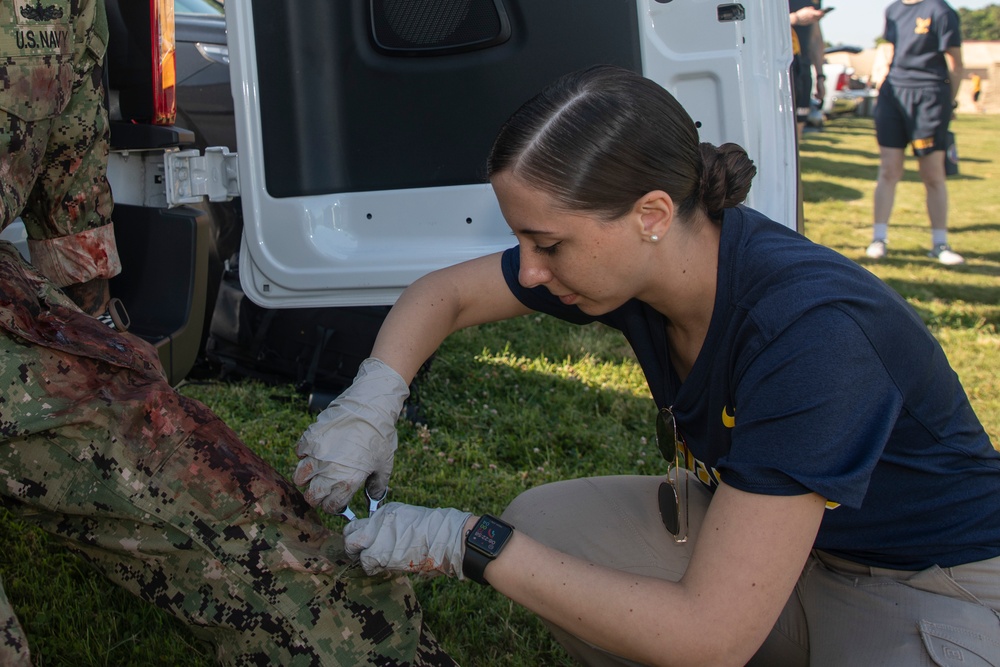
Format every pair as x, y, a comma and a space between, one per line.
157, 492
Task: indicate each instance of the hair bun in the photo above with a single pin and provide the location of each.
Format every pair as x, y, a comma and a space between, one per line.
726, 175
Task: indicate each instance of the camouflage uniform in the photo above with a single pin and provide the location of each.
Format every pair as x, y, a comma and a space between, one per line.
54, 136
150, 486
98, 450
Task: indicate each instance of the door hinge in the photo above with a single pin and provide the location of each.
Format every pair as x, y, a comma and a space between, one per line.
190, 176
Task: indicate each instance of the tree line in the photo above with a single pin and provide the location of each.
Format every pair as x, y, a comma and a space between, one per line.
980, 24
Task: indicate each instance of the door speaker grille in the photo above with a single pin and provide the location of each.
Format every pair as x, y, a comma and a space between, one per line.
437, 27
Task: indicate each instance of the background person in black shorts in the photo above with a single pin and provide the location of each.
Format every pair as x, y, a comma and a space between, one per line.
807, 53
915, 106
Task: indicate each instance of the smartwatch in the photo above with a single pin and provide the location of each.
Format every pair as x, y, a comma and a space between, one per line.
482, 544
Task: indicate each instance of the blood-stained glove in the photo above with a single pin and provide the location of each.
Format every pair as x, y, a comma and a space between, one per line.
353, 441
407, 538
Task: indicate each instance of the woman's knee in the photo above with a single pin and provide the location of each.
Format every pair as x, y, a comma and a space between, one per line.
526, 511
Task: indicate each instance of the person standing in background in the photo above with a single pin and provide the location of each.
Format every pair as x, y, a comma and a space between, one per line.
916, 103
977, 90
807, 54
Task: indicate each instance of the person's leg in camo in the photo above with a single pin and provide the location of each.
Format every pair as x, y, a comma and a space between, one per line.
52, 165
158, 493
13, 644
96, 448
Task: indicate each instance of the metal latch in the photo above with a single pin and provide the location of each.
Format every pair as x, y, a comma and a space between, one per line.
190, 176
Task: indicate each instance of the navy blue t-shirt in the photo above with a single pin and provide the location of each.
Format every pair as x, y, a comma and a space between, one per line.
816, 376
804, 33
920, 34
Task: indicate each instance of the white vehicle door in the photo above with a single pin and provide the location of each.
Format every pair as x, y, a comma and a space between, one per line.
363, 125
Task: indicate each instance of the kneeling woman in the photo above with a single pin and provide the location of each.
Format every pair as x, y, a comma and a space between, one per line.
845, 507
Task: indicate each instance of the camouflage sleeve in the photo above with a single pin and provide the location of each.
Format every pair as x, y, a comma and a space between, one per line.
55, 133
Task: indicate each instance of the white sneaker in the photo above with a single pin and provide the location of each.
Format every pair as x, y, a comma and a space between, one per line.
876, 250
946, 255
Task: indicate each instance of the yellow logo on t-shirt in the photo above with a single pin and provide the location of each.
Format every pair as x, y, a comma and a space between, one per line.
923, 26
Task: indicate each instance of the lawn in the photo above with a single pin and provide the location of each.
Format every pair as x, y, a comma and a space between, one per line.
512, 405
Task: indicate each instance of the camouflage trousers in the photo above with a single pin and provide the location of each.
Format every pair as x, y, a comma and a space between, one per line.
152, 488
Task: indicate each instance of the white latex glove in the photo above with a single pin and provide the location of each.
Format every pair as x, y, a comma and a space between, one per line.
407, 538
353, 441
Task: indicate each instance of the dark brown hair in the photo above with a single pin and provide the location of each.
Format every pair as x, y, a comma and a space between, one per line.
600, 138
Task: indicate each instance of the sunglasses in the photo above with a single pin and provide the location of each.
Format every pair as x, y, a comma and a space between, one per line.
673, 492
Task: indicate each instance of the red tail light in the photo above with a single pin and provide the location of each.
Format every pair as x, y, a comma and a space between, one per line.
843, 81
161, 19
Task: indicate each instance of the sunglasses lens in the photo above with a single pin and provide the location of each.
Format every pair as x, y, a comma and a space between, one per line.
665, 438
668, 508
672, 493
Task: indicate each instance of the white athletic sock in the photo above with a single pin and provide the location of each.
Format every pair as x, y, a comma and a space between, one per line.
880, 231
939, 237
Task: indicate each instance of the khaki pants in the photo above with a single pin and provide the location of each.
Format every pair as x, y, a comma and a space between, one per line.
840, 613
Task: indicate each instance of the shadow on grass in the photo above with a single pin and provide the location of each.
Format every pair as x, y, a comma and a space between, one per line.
813, 165
974, 295
822, 166
977, 263
849, 126
978, 297
815, 139
541, 335
505, 373
981, 227
831, 149
953, 319
993, 257
820, 191
830, 143
974, 160
533, 425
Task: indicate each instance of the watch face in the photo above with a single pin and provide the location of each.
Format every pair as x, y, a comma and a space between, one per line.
489, 536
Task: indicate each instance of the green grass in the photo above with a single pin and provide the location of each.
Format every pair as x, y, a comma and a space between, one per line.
520, 403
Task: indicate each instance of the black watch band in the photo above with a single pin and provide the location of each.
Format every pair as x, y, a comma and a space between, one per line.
483, 544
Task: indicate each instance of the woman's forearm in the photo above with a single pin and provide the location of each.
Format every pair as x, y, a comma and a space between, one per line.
745, 563
629, 615
439, 304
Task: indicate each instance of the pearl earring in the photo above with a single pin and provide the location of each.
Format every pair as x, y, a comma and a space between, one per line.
654, 238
